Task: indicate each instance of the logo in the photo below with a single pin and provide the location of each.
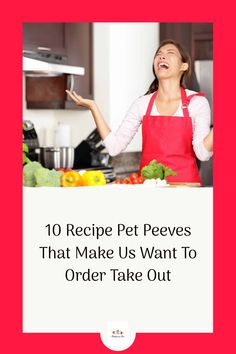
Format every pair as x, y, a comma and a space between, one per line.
118, 333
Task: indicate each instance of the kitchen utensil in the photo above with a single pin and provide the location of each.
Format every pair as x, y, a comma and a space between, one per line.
30, 135
56, 157
30, 139
99, 148
93, 137
88, 152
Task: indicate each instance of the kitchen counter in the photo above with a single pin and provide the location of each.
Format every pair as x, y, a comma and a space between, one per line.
110, 187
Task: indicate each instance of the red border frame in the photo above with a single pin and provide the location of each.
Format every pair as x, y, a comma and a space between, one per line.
222, 15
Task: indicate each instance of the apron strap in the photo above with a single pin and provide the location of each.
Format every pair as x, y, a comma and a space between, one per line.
186, 100
149, 108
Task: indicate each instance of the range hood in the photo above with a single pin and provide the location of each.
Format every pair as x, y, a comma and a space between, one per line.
44, 67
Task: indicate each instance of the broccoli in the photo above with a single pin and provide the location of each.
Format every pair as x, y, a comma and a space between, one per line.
48, 178
25, 151
29, 173
35, 175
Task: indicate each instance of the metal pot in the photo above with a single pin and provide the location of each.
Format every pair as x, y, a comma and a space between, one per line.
56, 157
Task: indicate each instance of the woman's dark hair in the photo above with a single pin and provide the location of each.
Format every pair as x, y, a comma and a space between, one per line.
185, 59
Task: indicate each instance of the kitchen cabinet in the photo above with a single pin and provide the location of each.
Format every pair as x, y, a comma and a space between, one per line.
197, 38
44, 37
63, 43
79, 44
202, 41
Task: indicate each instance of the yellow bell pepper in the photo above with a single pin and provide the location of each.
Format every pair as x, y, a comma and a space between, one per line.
94, 178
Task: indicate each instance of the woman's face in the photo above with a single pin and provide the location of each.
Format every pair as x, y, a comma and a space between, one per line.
168, 63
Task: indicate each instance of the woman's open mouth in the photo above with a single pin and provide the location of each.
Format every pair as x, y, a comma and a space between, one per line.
163, 66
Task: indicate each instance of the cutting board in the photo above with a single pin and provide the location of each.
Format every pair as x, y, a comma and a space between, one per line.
182, 184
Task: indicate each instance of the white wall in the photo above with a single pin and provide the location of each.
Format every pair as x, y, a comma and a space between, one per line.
132, 48
123, 54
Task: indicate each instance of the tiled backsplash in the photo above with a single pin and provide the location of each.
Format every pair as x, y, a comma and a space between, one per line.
126, 163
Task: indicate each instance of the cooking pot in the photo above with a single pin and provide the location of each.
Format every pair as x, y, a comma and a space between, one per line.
56, 157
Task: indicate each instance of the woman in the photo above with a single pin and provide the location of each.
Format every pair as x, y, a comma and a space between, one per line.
175, 121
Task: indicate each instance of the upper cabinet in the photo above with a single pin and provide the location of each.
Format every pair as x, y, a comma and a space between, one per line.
45, 37
79, 44
202, 41
62, 43
196, 37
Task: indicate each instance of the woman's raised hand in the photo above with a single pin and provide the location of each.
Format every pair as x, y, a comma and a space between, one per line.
100, 122
80, 101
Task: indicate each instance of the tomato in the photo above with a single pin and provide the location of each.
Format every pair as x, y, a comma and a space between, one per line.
133, 176
63, 169
127, 180
135, 181
141, 179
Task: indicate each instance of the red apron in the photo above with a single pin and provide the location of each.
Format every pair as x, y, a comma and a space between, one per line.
168, 139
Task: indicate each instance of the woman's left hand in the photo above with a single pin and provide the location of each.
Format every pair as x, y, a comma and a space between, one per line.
80, 101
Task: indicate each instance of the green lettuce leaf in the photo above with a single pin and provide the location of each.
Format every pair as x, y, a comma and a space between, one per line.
156, 170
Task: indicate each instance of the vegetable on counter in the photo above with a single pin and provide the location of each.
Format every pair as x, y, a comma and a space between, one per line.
152, 174
71, 178
35, 175
48, 178
29, 170
157, 170
156, 182
134, 178
25, 150
94, 178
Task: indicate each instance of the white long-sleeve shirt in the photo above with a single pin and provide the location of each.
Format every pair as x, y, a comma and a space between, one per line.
199, 111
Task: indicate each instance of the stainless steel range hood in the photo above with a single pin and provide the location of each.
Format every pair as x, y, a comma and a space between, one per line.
43, 67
